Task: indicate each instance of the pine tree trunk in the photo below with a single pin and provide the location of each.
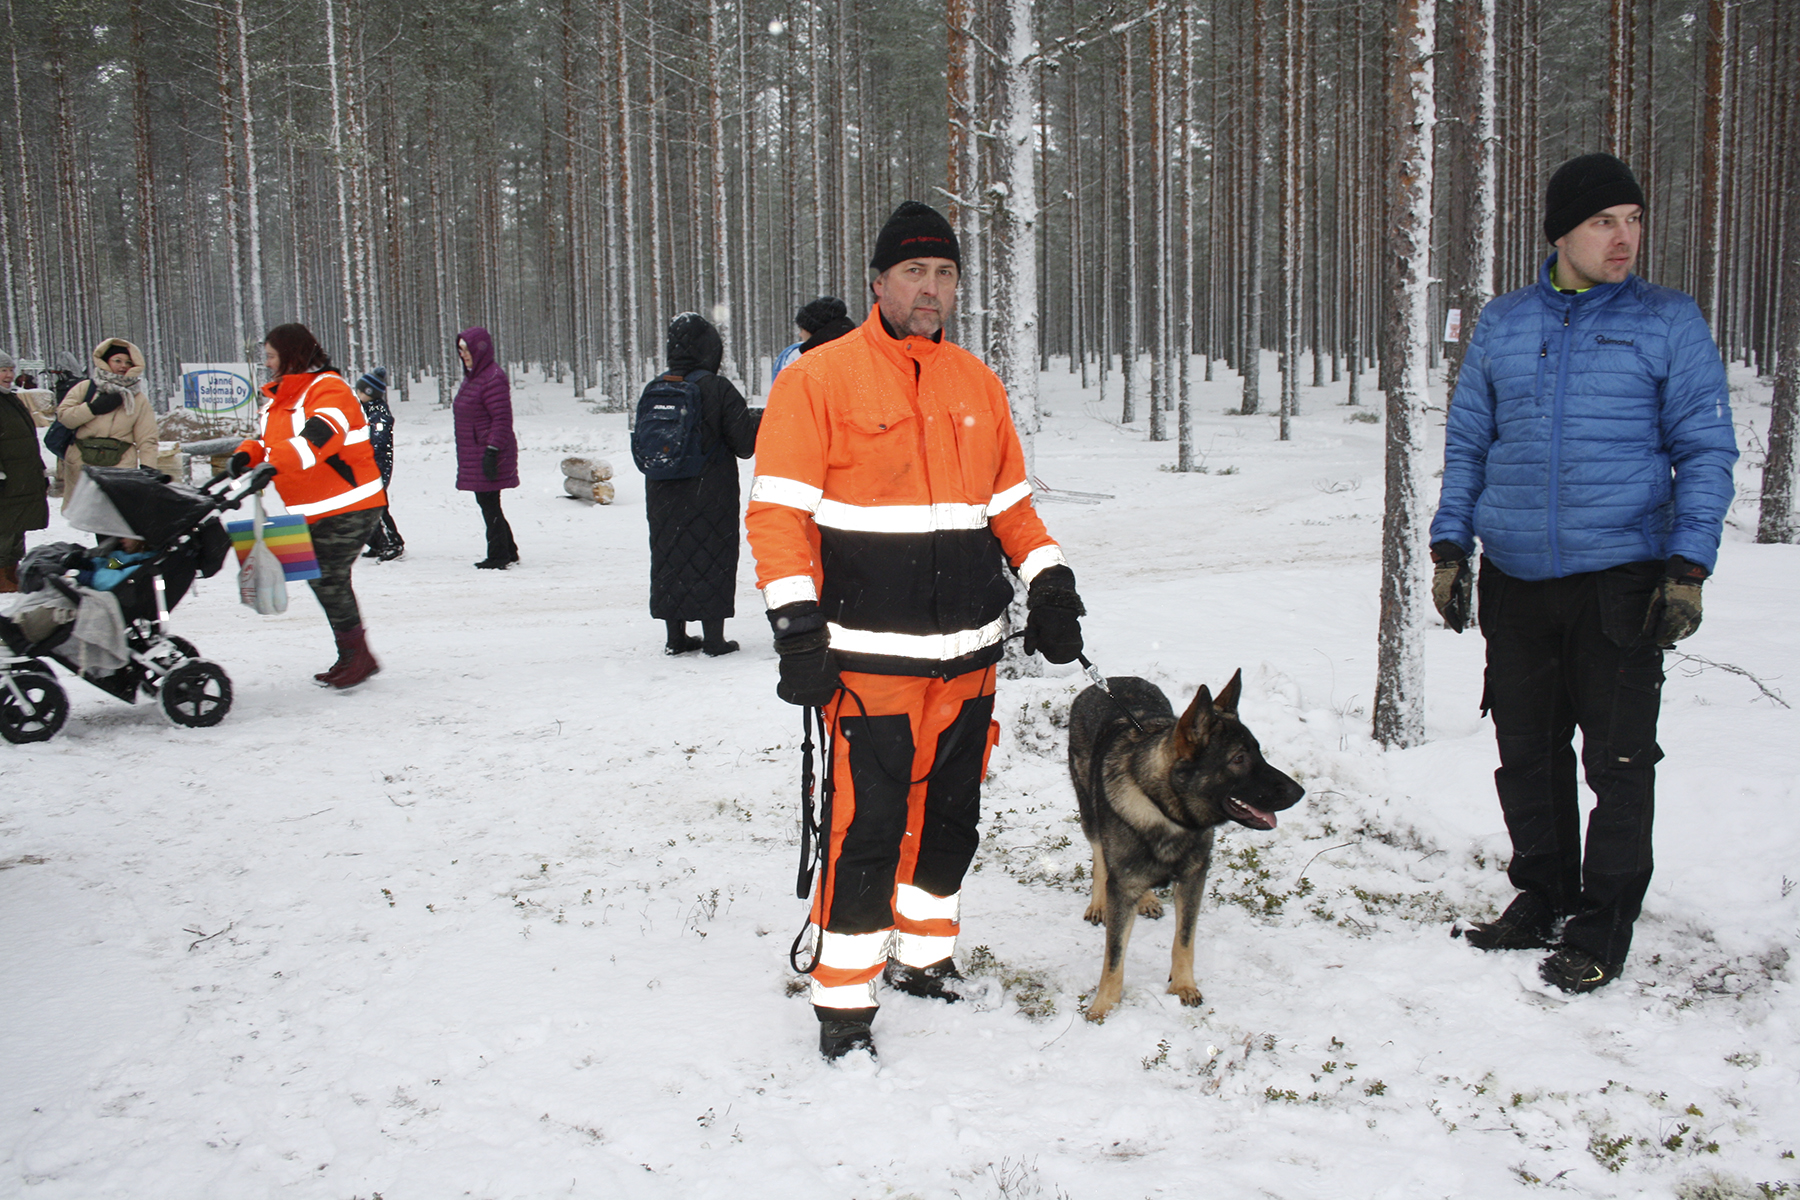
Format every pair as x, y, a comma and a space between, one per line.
1128, 343
1251, 367
25, 184
1776, 518
252, 185
1400, 669
1014, 353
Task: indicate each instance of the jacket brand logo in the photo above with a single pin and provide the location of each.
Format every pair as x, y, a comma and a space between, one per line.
1603, 340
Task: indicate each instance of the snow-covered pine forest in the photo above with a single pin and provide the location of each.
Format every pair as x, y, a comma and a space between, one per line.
505, 921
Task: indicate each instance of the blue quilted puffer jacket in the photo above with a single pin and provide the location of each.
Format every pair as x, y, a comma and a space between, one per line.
1588, 431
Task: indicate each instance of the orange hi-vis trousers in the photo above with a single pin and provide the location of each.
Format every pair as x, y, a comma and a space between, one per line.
908, 754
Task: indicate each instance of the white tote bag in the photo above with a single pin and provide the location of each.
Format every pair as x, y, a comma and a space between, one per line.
262, 584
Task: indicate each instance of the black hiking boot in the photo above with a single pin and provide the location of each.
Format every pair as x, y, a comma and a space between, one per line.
687, 645
842, 1030
939, 981
1576, 971
715, 649
1525, 925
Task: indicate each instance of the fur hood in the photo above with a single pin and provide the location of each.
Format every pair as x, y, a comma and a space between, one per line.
131, 381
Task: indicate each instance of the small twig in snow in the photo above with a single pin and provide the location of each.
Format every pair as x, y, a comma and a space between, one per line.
207, 937
326, 809
1683, 659
1058, 1037
1315, 858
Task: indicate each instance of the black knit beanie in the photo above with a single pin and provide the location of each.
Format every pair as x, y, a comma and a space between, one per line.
820, 313
915, 231
1584, 186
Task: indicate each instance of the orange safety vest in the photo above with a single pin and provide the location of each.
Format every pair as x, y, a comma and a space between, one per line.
317, 481
891, 488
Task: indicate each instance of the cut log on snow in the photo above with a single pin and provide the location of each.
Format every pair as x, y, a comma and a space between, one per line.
590, 469
595, 491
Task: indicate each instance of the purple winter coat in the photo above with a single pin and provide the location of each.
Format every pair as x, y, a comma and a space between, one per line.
483, 412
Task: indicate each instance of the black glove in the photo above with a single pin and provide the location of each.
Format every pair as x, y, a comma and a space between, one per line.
104, 403
1675, 608
1053, 616
239, 463
490, 463
1452, 585
809, 675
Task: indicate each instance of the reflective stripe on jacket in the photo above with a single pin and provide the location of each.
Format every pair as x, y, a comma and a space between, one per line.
890, 486
1588, 431
339, 476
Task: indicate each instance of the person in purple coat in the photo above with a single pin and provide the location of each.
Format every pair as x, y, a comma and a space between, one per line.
487, 454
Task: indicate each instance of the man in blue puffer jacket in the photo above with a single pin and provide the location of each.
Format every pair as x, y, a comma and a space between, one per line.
1590, 449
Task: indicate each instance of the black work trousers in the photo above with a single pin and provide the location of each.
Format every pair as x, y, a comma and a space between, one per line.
1566, 654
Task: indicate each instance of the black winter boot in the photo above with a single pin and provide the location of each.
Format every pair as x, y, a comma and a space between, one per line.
713, 643
679, 641
1525, 925
1576, 971
939, 981
842, 1030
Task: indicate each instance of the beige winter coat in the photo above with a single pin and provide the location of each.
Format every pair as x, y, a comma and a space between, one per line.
133, 421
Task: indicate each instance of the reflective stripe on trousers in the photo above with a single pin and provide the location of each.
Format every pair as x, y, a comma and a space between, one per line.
908, 756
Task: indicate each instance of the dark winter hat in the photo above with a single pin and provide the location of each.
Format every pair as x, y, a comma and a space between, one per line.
820, 313
1584, 186
374, 382
915, 231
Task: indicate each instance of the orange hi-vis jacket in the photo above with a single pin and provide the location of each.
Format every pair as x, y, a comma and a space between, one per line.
891, 488
339, 476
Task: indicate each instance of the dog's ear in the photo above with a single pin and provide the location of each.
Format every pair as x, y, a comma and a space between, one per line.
1195, 728
1228, 695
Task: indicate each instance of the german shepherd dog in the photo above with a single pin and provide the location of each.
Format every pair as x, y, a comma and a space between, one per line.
1149, 804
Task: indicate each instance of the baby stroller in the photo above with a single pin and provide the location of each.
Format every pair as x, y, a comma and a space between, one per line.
99, 611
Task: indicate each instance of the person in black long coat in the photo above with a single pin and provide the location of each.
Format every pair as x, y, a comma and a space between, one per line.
694, 522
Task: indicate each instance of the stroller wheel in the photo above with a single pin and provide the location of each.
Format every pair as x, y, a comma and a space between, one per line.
195, 694
33, 706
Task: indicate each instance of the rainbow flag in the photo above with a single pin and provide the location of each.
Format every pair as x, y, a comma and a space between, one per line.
286, 536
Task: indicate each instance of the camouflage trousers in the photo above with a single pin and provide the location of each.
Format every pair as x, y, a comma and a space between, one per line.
337, 540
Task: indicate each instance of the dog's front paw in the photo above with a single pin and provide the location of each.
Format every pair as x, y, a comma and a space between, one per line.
1189, 993
1095, 914
1150, 906
1106, 997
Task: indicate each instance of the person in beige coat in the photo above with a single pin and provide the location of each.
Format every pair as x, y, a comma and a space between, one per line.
110, 415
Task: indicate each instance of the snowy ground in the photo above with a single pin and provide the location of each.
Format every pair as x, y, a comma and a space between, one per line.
511, 920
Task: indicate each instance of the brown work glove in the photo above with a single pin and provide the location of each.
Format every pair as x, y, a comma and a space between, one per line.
1452, 584
1675, 607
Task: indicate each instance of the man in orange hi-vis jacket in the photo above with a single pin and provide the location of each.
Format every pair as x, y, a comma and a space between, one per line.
890, 497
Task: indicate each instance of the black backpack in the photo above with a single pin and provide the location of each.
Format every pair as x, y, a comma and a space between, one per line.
665, 443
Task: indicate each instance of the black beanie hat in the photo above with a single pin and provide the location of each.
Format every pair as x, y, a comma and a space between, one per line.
915, 231
1584, 186
820, 313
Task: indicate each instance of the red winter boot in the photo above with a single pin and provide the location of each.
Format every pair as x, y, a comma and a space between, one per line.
345, 653
355, 663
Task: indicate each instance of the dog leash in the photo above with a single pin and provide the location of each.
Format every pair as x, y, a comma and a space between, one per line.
815, 831
1099, 680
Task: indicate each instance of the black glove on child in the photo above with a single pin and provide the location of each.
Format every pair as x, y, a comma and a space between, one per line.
1675, 607
104, 403
1452, 585
1053, 616
490, 462
809, 675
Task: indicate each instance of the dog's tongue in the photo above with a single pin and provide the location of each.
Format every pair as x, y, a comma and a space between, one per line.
1264, 820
